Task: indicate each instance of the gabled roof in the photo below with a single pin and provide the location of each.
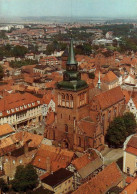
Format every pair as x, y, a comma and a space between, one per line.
5, 129
59, 158
109, 98
9, 144
109, 177
87, 164
17, 100
84, 160
87, 127
110, 77
57, 177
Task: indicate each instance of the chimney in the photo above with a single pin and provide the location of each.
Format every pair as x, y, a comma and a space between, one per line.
48, 164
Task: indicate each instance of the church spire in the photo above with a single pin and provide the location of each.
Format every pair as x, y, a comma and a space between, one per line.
99, 81
71, 57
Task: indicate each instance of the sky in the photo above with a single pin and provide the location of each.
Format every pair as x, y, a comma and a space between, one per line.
84, 8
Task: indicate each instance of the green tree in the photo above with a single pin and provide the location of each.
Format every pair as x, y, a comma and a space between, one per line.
25, 178
130, 123
116, 133
3, 185
19, 51
120, 128
1, 72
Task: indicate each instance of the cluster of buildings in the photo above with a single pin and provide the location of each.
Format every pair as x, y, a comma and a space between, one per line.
73, 110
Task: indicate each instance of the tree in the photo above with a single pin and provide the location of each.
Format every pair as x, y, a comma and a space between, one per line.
19, 51
1, 72
120, 129
130, 123
25, 178
116, 133
3, 185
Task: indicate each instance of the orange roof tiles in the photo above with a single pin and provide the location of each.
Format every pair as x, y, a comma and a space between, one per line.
84, 160
87, 127
110, 77
133, 142
127, 95
131, 150
59, 158
129, 179
9, 143
109, 177
131, 188
5, 129
109, 98
17, 100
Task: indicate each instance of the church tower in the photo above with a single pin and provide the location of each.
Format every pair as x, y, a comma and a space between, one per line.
72, 100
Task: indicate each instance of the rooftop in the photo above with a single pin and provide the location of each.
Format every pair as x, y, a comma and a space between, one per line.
57, 177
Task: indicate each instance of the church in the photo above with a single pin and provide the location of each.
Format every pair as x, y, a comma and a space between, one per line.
74, 128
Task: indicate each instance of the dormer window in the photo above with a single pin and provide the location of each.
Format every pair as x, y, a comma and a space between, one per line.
25, 106
33, 103
8, 111
17, 109
12, 110
29, 105
0, 113
21, 107
38, 101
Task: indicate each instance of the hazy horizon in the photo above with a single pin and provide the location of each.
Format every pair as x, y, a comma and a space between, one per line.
69, 8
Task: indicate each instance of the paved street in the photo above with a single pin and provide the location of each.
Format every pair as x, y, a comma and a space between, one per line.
111, 155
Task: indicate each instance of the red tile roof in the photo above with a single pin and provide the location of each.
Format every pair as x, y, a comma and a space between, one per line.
131, 188
132, 150
5, 129
111, 176
8, 144
109, 77
19, 101
87, 127
133, 142
59, 158
84, 160
109, 98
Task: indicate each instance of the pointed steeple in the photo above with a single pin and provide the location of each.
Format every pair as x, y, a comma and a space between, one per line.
99, 81
71, 57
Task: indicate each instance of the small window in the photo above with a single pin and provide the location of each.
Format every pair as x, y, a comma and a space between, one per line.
29, 105
33, 104
6, 160
13, 161
12, 110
